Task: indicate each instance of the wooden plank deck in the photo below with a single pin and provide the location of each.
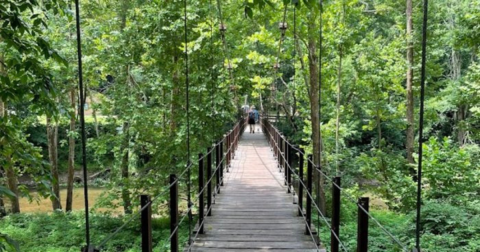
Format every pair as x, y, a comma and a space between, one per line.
254, 211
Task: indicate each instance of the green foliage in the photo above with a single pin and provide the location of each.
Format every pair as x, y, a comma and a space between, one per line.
446, 226
65, 232
451, 172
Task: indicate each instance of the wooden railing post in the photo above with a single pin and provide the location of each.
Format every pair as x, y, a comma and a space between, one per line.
335, 214
362, 227
146, 223
173, 213
300, 183
201, 204
309, 194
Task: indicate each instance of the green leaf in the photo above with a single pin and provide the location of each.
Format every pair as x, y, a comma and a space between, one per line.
248, 12
6, 191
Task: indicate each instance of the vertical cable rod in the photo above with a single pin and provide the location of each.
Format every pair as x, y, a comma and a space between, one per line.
212, 60
82, 121
420, 130
187, 86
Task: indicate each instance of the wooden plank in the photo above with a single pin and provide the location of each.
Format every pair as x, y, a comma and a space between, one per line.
250, 237
254, 244
253, 211
258, 250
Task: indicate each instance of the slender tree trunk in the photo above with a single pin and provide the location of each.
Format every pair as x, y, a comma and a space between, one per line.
127, 205
94, 113
52, 137
9, 171
71, 152
2, 203
13, 186
315, 108
409, 86
337, 124
175, 101
456, 68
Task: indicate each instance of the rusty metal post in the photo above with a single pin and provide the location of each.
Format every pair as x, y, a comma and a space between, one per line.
334, 243
222, 159
309, 194
173, 213
209, 181
217, 167
362, 227
288, 167
201, 203
300, 183
146, 223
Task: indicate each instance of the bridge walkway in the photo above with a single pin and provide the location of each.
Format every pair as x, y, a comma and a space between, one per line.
253, 211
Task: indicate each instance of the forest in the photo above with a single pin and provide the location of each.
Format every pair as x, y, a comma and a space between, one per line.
342, 78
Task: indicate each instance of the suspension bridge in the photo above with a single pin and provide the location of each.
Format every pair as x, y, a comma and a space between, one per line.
257, 199
253, 195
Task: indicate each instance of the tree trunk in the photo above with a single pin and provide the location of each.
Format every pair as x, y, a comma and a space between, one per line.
10, 172
2, 203
456, 68
71, 152
127, 204
94, 113
409, 144
13, 186
337, 123
52, 137
175, 101
315, 108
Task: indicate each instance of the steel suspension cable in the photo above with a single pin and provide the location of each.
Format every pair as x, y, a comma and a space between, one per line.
187, 86
320, 50
82, 121
276, 66
420, 130
212, 62
225, 47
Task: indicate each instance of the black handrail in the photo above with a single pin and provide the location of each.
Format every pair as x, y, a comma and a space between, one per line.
230, 141
278, 143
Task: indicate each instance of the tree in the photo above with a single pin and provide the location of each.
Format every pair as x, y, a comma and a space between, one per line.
410, 137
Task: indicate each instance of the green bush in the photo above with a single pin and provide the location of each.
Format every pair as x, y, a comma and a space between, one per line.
66, 232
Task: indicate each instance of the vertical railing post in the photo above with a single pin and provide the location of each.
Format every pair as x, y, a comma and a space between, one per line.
284, 155
300, 183
309, 194
222, 159
288, 166
229, 149
362, 227
201, 203
173, 213
217, 167
335, 214
209, 181
146, 223
232, 143
274, 145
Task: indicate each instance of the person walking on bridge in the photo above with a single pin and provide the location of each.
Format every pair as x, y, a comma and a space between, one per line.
252, 118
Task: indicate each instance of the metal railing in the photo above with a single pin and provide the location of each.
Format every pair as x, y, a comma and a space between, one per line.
283, 151
224, 152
